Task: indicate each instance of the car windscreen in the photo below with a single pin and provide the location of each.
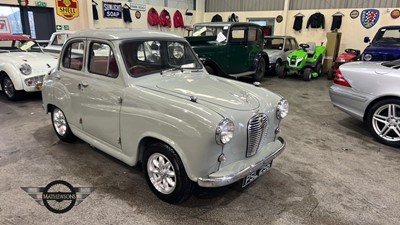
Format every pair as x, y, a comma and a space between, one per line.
273, 43
200, 30
388, 35
152, 56
18, 46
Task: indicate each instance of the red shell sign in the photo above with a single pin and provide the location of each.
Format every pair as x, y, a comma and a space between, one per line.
68, 9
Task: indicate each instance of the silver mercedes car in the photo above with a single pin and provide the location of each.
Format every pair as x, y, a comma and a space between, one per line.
370, 92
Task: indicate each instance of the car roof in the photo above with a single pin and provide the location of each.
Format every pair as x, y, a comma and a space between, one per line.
123, 33
226, 24
13, 37
390, 27
278, 37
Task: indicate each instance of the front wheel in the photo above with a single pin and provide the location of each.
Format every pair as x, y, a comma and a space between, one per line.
165, 174
9, 89
307, 74
210, 70
260, 72
280, 69
383, 121
61, 126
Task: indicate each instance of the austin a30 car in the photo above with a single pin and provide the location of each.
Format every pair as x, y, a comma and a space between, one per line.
22, 65
149, 100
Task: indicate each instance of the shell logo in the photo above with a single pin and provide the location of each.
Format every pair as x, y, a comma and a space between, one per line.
67, 9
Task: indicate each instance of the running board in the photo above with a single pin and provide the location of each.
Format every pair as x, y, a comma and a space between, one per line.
242, 74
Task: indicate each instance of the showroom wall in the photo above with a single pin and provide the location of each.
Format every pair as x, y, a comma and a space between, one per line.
85, 18
74, 24
352, 31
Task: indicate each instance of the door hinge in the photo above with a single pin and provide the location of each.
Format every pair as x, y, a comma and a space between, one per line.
120, 100
80, 120
119, 140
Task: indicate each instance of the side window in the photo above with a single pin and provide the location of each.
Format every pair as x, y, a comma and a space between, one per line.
260, 39
288, 44
102, 60
73, 56
252, 35
294, 44
238, 35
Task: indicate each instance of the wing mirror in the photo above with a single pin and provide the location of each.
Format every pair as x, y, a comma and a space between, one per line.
366, 40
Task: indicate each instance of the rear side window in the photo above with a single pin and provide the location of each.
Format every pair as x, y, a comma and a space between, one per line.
73, 56
252, 35
102, 60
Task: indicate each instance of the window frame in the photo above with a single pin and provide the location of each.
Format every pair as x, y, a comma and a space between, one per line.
62, 56
110, 45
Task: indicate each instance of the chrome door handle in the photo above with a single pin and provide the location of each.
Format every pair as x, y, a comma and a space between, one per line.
84, 83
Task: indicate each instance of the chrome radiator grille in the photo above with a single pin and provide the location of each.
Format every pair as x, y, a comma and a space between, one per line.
256, 133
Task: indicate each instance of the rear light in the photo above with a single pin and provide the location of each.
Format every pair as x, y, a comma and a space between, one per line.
339, 79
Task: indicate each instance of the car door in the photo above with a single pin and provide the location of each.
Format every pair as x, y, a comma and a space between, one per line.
238, 51
71, 73
102, 92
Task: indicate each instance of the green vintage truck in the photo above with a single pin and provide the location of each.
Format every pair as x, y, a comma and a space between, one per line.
230, 49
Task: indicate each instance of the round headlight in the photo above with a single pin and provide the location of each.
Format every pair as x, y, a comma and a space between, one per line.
224, 131
282, 109
367, 57
25, 69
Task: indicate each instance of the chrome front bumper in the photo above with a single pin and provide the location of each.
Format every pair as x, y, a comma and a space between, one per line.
236, 176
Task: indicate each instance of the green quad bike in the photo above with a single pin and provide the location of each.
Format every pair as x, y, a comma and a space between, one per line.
306, 62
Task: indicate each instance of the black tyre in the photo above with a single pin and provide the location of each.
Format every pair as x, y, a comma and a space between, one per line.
60, 125
330, 74
280, 69
165, 174
307, 74
210, 70
260, 72
318, 69
383, 121
9, 89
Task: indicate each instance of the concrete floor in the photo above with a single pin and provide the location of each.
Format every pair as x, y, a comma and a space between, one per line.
332, 172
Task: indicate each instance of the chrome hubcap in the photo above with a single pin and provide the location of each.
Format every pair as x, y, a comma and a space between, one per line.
59, 122
161, 173
8, 87
386, 122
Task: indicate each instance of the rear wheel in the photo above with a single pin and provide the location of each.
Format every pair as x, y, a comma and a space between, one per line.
61, 127
260, 72
165, 174
307, 74
383, 121
9, 89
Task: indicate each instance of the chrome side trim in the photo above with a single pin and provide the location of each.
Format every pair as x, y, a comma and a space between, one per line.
226, 180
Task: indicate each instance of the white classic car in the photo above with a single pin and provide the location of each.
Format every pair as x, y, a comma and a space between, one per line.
22, 65
150, 100
56, 42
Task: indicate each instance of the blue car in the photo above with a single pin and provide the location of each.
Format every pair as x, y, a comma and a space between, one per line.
385, 46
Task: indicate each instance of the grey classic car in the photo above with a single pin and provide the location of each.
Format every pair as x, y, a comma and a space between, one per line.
150, 100
278, 48
370, 92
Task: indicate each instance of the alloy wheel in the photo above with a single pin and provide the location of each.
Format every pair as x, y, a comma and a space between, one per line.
161, 173
386, 122
59, 122
8, 87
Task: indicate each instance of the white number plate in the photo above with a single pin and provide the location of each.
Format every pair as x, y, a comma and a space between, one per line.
254, 175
